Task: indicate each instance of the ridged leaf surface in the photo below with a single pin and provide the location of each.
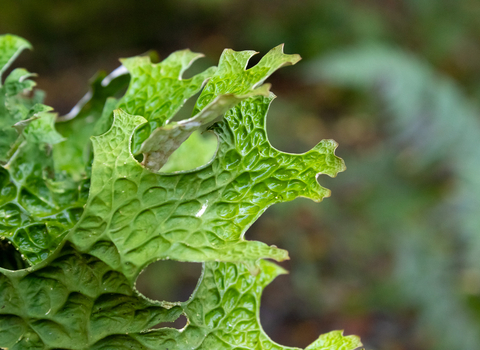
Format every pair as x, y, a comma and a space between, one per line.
87, 234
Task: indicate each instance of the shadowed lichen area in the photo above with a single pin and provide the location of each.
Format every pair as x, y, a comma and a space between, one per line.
86, 236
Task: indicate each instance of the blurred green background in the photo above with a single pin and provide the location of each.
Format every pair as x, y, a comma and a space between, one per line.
394, 254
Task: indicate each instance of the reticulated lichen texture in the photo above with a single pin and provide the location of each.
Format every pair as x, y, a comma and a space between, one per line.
85, 206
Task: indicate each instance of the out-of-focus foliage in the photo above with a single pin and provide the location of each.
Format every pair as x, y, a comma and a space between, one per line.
432, 126
391, 255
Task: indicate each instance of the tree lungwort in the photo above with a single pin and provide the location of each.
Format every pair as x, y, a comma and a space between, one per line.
85, 206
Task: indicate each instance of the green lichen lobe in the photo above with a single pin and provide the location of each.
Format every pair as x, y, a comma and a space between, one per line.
87, 235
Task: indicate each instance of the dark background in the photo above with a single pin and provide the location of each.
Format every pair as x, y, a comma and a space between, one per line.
391, 256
